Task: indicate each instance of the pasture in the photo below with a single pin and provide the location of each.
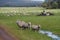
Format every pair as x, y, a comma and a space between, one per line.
50, 23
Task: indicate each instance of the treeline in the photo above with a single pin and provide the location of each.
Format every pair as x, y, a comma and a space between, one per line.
17, 5
22, 4
51, 4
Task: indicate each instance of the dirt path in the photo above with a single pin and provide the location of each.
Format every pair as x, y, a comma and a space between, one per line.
5, 36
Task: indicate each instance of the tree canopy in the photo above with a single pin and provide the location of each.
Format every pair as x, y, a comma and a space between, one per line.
51, 4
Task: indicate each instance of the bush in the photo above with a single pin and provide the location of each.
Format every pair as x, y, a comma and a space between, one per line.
54, 5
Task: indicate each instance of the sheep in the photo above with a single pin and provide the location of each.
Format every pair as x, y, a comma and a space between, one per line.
22, 24
35, 27
49, 13
19, 23
42, 14
25, 25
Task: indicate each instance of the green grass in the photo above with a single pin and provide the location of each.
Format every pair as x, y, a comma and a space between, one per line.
50, 23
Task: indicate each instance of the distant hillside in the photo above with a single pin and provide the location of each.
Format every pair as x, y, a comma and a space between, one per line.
19, 3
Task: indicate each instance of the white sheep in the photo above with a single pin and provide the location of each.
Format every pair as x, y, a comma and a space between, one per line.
22, 24
35, 27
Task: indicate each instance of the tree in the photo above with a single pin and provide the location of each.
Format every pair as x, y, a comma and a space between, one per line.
51, 4
54, 5
58, 1
6, 5
44, 5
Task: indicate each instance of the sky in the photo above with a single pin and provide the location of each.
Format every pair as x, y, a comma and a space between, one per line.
16, 2
23, 0
38, 0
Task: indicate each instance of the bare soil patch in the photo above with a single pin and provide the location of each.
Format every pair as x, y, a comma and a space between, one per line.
4, 35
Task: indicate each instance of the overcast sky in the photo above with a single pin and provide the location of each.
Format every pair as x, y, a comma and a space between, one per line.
23, 0
3, 2
38, 0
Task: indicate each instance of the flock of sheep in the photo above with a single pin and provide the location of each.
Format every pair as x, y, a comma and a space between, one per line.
44, 13
24, 25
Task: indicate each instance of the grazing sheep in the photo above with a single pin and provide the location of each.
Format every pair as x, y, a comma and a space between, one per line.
22, 24
19, 23
47, 14
35, 27
25, 25
50, 13
44, 13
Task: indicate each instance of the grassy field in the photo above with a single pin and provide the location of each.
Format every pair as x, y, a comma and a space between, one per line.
50, 23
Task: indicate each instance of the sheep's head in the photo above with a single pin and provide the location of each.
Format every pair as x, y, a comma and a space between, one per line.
39, 26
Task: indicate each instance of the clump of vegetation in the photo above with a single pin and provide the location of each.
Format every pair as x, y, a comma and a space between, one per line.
51, 4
